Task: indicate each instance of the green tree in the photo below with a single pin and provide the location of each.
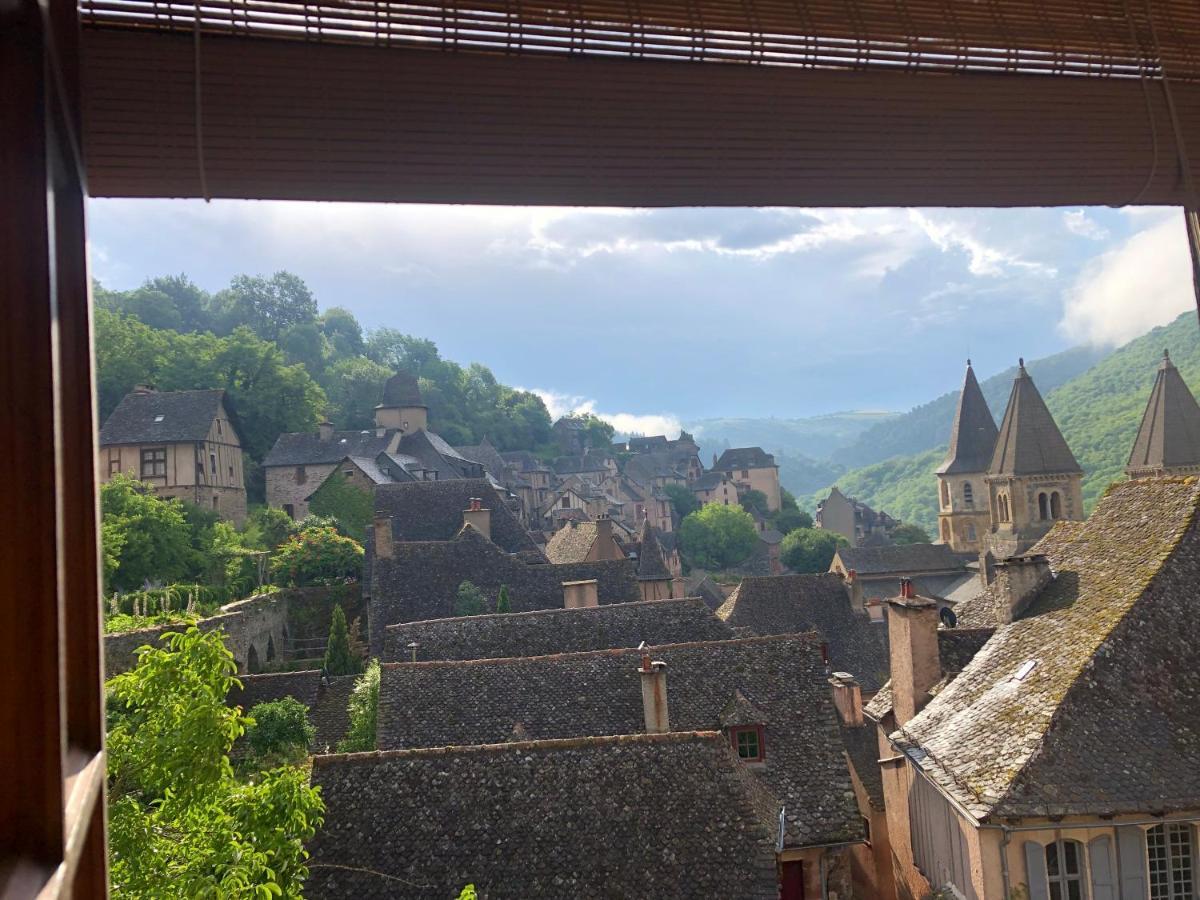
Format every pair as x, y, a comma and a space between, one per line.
268, 306
468, 600
280, 728
682, 499
147, 539
267, 527
343, 332
596, 432
790, 519
717, 536
906, 533
398, 352
339, 658
354, 386
317, 555
305, 344
180, 823
755, 502
810, 549
503, 604
350, 505
364, 712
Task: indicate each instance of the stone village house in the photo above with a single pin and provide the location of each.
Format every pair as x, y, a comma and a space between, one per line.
752, 469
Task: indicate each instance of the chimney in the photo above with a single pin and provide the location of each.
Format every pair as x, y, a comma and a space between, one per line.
325, 431
603, 530
383, 537
847, 697
478, 518
380, 432
581, 594
915, 665
654, 695
413, 647
143, 389
987, 567
855, 591
1018, 581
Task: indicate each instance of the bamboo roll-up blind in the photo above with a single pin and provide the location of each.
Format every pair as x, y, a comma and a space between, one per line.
1118, 38
330, 121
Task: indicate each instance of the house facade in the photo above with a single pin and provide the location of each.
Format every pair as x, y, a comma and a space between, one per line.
183, 443
752, 469
715, 487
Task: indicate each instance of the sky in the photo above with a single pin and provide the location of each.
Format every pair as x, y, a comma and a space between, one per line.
653, 317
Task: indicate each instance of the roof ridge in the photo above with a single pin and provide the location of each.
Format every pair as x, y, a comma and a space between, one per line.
541, 612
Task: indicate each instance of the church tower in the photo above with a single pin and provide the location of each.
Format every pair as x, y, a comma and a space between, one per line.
401, 407
1033, 480
1168, 441
963, 518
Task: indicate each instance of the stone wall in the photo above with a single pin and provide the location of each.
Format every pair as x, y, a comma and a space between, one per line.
283, 489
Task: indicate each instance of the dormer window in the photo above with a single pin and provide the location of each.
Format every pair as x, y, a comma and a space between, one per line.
749, 742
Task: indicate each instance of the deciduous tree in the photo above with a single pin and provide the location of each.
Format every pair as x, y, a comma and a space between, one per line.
717, 536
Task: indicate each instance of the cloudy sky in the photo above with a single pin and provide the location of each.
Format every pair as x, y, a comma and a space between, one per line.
652, 316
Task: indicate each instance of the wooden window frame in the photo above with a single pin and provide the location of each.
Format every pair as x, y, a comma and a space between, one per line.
154, 456
736, 731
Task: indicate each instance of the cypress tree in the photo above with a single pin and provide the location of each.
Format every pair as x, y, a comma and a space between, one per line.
502, 602
339, 659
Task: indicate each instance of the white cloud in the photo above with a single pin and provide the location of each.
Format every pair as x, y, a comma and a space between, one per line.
1146, 281
559, 404
983, 259
1077, 221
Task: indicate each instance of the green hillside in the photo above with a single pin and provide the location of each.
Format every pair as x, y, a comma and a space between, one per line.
814, 437
1098, 412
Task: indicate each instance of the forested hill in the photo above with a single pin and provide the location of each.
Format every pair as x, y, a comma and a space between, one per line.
1098, 412
287, 365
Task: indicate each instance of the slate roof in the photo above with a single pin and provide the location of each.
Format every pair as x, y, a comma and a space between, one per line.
433, 511
571, 543
438, 456
787, 604
599, 693
487, 456
645, 467
1107, 720
664, 816
525, 460
1029, 442
744, 458
327, 699
707, 590
709, 480
973, 436
900, 559
569, 465
650, 564
549, 631
956, 648
1169, 436
401, 389
186, 416
305, 448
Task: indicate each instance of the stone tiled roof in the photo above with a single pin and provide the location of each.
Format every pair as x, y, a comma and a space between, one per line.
1029, 442
487, 456
421, 579
650, 564
973, 436
956, 648
433, 511
524, 460
327, 699
185, 416
900, 559
1169, 436
571, 543
438, 456
599, 693
708, 481
568, 465
1106, 719
401, 389
744, 458
707, 590
632, 816
548, 631
862, 750
786, 604
645, 467
305, 448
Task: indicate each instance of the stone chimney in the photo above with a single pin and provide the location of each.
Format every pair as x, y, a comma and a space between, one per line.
987, 567
855, 591
654, 695
383, 537
915, 664
478, 518
847, 697
144, 389
325, 431
581, 594
1018, 581
603, 530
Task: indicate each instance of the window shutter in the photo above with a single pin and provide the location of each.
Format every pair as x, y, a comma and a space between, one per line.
1035, 871
1131, 857
1104, 883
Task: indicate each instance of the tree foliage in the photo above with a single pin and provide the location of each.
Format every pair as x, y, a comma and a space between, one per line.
280, 728
907, 533
364, 712
682, 499
810, 549
503, 604
340, 659
469, 600
317, 555
180, 823
340, 499
717, 536
755, 502
146, 539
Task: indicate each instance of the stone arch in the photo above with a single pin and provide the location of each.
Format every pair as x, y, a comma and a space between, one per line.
253, 666
1043, 506
270, 647
945, 532
1056, 505
945, 495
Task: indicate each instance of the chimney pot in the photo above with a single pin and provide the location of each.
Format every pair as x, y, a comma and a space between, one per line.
847, 697
654, 695
478, 518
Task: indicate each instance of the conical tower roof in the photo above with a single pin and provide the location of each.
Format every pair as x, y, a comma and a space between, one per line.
1030, 442
401, 390
651, 566
1169, 436
973, 437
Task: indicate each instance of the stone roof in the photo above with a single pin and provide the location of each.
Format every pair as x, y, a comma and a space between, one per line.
900, 559
645, 467
524, 460
487, 456
709, 480
599, 693
569, 465
706, 589
150, 417
956, 648
630, 816
1105, 720
422, 577
744, 458
973, 436
650, 564
1029, 442
572, 542
862, 751
436, 455
305, 448
401, 389
787, 604
547, 631
433, 511
327, 699
1169, 436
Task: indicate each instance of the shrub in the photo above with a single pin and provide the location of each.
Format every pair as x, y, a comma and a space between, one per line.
317, 556
364, 712
280, 726
339, 656
468, 600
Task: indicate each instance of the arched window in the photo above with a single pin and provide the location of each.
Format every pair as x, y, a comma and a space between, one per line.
1004, 511
1056, 505
1064, 870
1043, 506
968, 494
945, 495
270, 648
252, 664
1169, 854
971, 535
945, 532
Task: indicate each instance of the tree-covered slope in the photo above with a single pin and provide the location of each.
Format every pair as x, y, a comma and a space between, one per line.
1098, 412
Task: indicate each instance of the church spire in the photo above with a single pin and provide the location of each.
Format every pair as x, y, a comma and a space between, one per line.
1030, 442
1168, 441
973, 437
